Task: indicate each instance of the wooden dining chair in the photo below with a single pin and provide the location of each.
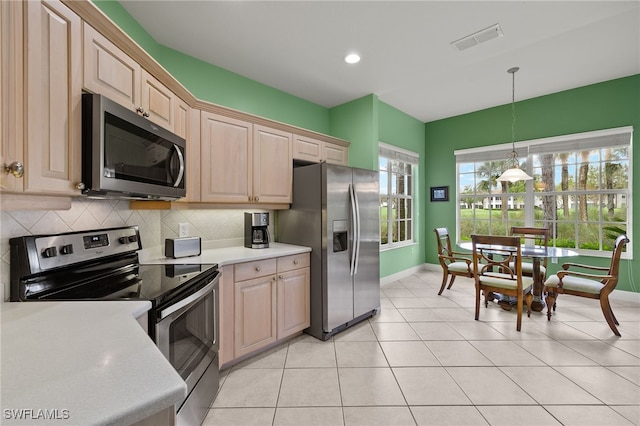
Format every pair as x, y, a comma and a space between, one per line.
497, 267
453, 263
597, 284
538, 237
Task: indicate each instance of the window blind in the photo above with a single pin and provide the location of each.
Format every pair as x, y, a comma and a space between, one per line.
398, 154
620, 136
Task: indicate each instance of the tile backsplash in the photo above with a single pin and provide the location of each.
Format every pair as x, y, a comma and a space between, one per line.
224, 226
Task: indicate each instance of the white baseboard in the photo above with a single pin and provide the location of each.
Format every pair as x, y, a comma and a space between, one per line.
403, 274
624, 295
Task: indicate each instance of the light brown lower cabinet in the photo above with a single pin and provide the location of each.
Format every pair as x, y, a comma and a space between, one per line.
261, 303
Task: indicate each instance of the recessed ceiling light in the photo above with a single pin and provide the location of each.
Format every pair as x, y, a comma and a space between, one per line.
352, 58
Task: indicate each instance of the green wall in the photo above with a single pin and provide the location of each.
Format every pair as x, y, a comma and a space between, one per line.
357, 122
401, 130
614, 103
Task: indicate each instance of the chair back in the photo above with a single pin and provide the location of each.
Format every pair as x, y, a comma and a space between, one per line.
497, 256
444, 242
537, 236
614, 268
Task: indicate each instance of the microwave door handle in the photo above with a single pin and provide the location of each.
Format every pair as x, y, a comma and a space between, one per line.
181, 171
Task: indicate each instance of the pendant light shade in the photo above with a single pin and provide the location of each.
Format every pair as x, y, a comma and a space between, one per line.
514, 173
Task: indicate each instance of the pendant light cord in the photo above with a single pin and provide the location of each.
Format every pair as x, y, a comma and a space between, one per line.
514, 156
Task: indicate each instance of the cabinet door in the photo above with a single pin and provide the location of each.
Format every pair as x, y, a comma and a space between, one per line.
11, 95
307, 149
272, 165
157, 101
335, 154
255, 314
53, 97
293, 302
109, 71
226, 156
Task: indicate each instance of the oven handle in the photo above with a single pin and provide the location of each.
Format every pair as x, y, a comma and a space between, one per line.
188, 300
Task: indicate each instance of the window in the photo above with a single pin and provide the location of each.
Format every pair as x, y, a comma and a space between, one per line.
581, 190
397, 169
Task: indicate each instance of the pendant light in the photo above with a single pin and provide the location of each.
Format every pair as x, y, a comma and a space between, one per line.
514, 173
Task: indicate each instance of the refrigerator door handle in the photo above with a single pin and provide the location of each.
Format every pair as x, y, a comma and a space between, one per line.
357, 230
354, 219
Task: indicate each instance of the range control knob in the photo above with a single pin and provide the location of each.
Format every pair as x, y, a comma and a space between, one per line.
129, 239
66, 249
49, 252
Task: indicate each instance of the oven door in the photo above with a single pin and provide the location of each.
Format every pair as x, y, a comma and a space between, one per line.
187, 334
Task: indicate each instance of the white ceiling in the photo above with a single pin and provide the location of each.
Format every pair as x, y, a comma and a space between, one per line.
407, 59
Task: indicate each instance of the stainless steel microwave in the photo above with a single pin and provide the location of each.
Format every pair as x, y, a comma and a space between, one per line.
124, 155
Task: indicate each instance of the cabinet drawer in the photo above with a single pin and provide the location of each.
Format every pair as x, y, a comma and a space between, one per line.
295, 261
258, 268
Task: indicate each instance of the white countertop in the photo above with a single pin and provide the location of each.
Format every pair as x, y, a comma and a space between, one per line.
224, 255
88, 362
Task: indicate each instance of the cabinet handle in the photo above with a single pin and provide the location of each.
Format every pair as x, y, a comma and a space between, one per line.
80, 186
256, 198
280, 277
142, 111
295, 262
257, 269
15, 168
274, 278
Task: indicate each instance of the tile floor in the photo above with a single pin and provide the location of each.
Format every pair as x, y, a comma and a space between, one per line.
425, 361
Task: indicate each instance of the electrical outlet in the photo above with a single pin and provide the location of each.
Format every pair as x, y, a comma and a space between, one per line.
183, 230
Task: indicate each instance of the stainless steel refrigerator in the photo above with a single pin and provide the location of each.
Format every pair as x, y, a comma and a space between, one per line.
336, 212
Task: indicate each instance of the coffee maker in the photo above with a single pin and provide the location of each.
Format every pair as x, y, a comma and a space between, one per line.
256, 230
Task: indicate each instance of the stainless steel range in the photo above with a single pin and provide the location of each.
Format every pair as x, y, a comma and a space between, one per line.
103, 265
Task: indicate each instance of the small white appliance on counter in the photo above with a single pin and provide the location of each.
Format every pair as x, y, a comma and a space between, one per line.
256, 230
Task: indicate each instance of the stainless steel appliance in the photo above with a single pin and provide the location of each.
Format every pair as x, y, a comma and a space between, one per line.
335, 211
125, 155
103, 265
256, 230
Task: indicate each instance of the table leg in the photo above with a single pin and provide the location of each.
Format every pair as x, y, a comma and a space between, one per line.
538, 302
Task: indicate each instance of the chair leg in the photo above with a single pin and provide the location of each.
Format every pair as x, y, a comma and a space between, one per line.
477, 302
550, 300
608, 314
519, 313
444, 281
528, 298
453, 277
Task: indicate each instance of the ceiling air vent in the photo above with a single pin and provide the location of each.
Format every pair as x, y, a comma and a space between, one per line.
476, 38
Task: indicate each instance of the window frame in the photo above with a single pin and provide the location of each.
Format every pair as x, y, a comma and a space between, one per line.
526, 150
396, 154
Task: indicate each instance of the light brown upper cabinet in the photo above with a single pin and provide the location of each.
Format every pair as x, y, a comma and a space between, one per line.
242, 162
316, 151
109, 71
272, 165
41, 98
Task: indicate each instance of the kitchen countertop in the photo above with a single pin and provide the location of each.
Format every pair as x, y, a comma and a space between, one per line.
222, 255
84, 362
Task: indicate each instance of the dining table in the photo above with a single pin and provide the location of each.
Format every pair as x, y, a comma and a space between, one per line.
536, 254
